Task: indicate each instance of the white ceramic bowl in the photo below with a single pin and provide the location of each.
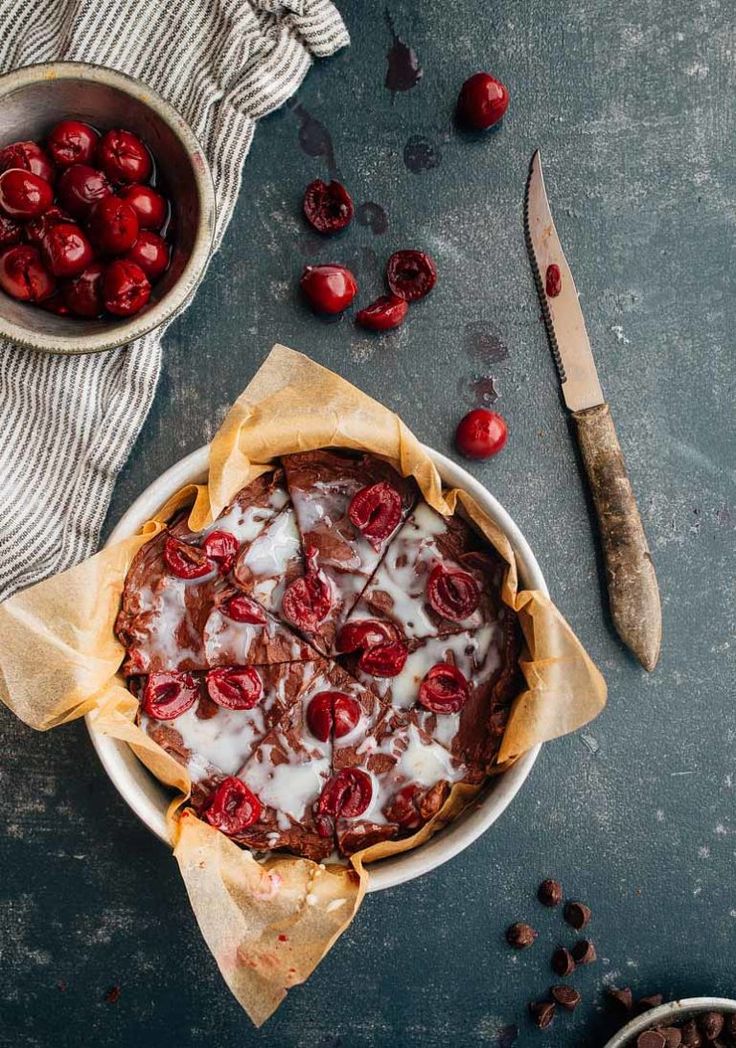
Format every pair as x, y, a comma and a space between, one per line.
672, 1012
149, 799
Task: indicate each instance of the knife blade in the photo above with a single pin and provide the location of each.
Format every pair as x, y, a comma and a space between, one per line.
632, 584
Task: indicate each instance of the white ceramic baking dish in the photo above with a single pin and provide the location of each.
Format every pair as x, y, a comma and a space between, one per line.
149, 799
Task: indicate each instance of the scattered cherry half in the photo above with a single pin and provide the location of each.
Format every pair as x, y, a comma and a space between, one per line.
307, 601
168, 695
375, 511
186, 561
329, 288
403, 807
222, 548
444, 689
244, 609
384, 660
328, 206
385, 314
233, 807
482, 102
347, 794
81, 206
481, 433
235, 688
410, 274
452, 593
332, 712
364, 634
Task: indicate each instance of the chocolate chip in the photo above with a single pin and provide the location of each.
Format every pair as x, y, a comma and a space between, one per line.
577, 914
691, 1037
549, 893
711, 1025
672, 1036
653, 1000
650, 1039
583, 952
566, 996
623, 999
562, 961
543, 1012
520, 935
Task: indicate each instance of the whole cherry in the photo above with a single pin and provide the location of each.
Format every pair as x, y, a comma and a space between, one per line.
65, 249
125, 288
151, 253
29, 156
482, 102
123, 157
11, 232
37, 228
481, 433
24, 195
113, 225
22, 274
80, 187
72, 142
329, 288
149, 206
83, 295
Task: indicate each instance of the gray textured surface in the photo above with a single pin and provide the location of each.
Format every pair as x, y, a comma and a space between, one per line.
632, 105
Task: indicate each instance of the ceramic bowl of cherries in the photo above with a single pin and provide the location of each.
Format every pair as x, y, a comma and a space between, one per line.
84, 227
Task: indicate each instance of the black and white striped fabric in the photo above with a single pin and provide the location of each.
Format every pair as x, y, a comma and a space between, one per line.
67, 425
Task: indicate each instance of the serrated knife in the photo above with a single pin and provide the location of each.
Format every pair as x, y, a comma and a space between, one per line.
632, 584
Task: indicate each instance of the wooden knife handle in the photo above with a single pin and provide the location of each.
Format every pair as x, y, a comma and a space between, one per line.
632, 584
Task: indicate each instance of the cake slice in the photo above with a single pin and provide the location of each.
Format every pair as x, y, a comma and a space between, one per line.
347, 507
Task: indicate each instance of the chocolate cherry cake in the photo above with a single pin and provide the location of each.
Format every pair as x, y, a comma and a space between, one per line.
326, 659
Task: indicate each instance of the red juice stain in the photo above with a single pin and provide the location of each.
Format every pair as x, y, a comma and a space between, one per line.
373, 216
421, 155
314, 138
283, 938
485, 391
482, 344
403, 71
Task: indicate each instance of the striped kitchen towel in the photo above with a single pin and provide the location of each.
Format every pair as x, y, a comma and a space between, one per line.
67, 425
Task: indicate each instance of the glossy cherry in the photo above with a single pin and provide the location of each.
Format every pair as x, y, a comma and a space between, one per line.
151, 253
24, 195
328, 206
236, 688
222, 548
307, 601
23, 275
150, 207
375, 511
384, 660
329, 288
184, 560
55, 304
364, 634
72, 142
37, 228
233, 807
385, 314
452, 593
30, 157
125, 288
403, 808
113, 226
444, 689
553, 280
168, 695
482, 102
11, 232
65, 250
243, 609
411, 274
83, 295
332, 713
481, 433
347, 794
80, 187
123, 157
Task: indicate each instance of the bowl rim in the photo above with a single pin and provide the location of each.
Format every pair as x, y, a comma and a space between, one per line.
117, 757
679, 1009
177, 297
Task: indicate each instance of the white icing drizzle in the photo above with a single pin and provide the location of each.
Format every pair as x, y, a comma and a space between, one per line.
270, 556
247, 524
168, 609
224, 740
290, 788
229, 642
425, 763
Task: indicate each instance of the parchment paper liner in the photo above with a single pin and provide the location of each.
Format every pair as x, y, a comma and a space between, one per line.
268, 922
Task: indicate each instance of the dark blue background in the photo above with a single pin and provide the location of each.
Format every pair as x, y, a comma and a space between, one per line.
632, 104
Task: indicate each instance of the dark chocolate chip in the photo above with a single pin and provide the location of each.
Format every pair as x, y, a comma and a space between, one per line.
672, 1036
543, 1012
711, 1024
577, 914
653, 1000
562, 961
566, 996
650, 1039
583, 952
520, 935
623, 999
691, 1036
549, 893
